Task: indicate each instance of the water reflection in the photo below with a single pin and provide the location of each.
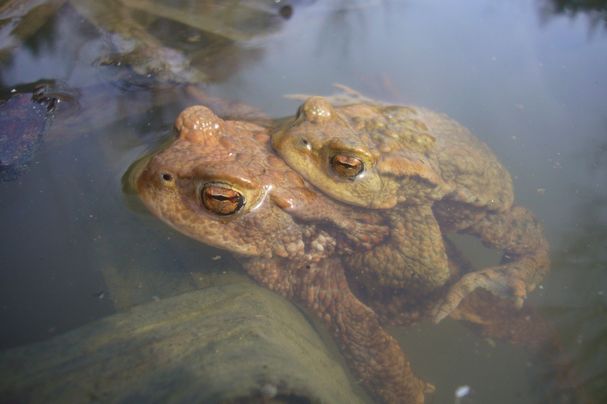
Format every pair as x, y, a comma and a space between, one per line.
158, 38
172, 42
594, 10
19, 20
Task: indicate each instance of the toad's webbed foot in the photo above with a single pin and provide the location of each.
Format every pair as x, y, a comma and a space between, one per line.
518, 233
524, 264
496, 280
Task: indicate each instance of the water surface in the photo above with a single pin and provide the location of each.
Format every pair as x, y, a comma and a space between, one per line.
527, 77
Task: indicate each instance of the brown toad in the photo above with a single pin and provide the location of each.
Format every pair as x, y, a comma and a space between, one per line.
428, 175
219, 183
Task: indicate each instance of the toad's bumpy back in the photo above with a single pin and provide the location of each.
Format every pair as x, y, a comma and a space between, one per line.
478, 178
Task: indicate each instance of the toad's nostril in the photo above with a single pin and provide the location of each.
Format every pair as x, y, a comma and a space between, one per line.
305, 143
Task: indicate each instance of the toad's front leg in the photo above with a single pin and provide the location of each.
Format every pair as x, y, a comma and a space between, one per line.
524, 263
373, 354
412, 258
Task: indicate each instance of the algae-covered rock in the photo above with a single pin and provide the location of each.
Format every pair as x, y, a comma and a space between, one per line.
221, 344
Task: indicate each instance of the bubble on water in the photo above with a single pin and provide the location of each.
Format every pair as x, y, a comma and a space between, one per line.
269, 390
462, 391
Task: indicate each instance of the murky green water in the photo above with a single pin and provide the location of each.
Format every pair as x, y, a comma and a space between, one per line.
528, 80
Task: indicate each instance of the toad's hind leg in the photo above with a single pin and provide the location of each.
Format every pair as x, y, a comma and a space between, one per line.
373, 354
524, 263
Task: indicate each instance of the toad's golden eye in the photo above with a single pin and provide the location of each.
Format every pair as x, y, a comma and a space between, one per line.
347, 166
221, 199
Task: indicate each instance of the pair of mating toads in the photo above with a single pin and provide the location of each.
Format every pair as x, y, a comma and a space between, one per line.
344, 210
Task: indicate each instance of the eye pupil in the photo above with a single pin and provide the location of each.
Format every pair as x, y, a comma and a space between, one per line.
347, 166
221, 200
167, 177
